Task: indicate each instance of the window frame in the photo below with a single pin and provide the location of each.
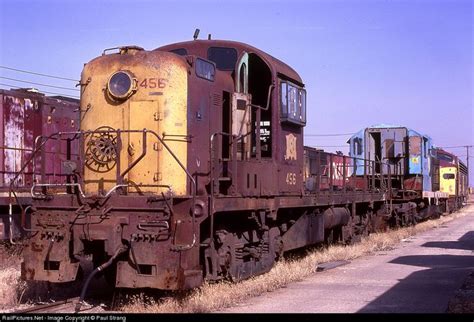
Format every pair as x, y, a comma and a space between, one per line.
449, 176
210, 63
357, 146
284, 107
177, 50
229, 68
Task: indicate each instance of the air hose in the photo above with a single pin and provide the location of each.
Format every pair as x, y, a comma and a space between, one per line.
119, 251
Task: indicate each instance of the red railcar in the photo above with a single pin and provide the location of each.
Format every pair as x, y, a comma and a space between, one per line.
24, 116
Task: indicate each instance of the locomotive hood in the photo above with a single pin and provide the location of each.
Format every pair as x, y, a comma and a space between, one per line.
128, 99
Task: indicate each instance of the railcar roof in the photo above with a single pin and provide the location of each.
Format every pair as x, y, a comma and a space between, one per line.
442, 151
386, 126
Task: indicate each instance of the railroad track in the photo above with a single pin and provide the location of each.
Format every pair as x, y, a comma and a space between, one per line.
63, 306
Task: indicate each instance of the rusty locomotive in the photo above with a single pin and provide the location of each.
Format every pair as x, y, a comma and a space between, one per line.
192, 167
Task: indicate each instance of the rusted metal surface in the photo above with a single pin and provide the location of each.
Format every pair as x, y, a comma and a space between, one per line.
24, 115
200, 48
197, 173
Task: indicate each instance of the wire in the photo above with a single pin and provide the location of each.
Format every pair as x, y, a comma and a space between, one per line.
457, 146
28, 72
60, 94
28, 82
332, 146
335, 134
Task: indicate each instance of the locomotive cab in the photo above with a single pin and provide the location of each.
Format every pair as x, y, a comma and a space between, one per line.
264, 113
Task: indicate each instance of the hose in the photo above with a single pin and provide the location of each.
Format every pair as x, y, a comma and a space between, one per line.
119, 251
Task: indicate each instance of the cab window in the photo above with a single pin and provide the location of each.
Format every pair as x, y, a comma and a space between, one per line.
415, 145
357, 146
225, 58
292, 103
179, 51
205, 69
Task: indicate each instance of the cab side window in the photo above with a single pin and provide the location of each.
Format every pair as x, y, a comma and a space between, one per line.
292, 103
357, 146
179, 51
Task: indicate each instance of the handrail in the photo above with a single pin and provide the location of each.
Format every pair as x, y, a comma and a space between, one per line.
269, 94
211, 158
134, 163
84, 133
211, 173
188, 246
40, 142
371, 178
35, 195
12, 182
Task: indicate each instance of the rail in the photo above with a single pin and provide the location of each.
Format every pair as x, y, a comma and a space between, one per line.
62, 306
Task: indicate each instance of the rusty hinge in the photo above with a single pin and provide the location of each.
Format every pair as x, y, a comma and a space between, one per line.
157, 176
157, 146
157, 116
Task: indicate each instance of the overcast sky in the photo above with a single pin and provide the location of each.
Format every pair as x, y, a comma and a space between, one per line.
363, 62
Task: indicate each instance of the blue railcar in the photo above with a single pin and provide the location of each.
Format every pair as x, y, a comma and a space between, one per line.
404, 152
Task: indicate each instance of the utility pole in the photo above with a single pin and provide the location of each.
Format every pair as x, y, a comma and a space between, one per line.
467, 162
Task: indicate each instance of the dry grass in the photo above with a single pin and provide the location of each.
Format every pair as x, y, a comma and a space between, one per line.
11, 286
213, 297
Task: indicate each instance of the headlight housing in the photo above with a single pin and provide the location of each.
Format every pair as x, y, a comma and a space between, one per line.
121, 85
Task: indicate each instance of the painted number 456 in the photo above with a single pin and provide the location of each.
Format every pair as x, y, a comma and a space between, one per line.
291, 178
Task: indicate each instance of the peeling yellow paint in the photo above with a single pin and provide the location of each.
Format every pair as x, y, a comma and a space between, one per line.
159, 104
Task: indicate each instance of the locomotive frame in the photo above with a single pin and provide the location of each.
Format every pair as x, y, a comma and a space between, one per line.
216, 184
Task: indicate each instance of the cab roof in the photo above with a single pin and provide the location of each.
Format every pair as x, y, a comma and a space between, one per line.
200, 48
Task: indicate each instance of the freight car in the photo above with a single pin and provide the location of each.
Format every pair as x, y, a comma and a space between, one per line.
191, 168
24, 115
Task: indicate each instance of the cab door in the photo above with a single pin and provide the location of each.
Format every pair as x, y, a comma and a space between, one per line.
448, 180
143, 115
414, 148
241, 109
